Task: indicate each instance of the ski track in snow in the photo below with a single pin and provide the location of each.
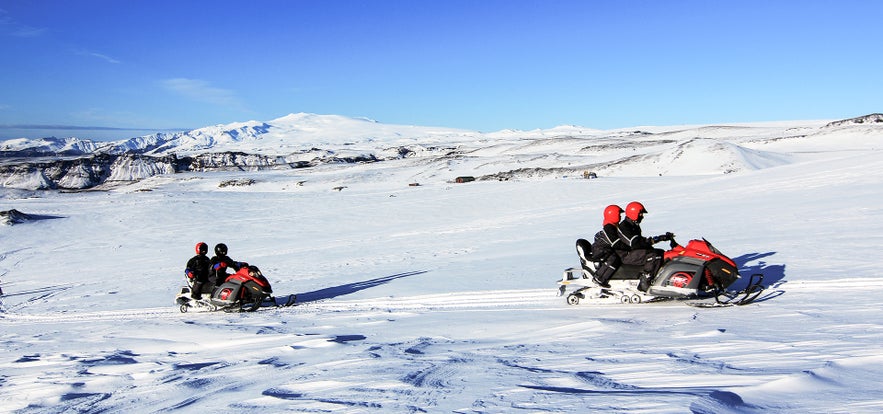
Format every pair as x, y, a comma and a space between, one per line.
409, 374
478, 301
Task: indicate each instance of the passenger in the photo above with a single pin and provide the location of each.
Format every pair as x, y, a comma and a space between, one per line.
607, 248
197, 271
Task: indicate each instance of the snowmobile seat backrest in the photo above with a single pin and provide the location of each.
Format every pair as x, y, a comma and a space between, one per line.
584, 251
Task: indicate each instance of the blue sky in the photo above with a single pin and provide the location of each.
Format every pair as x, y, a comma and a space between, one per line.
134, 66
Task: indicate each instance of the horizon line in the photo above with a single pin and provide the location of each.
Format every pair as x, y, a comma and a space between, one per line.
85, 128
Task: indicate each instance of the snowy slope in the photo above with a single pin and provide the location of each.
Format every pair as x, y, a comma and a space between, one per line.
72, 146
441, 297
297, 132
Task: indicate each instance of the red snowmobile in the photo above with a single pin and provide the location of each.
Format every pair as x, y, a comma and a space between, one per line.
244, 290
695, 271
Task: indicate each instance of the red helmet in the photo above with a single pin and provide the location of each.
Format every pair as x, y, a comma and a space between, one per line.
612, 214
201, 248
634, 210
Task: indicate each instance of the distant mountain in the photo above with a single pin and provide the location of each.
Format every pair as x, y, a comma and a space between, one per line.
307, 140
23, 147
281, 136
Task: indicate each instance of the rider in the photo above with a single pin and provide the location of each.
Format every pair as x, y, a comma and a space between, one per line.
607, 247
640, 249
219, 264
197, 270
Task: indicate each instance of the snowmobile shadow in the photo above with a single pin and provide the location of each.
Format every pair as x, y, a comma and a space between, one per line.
350, 288
772, 274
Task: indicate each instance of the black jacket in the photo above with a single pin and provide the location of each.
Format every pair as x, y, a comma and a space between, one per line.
198, 268
219, 265
607, 242
630, 235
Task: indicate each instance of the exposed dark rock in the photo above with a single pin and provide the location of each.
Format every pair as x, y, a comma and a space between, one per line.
10, 217
875, 118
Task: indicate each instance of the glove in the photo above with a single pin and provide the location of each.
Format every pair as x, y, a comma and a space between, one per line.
188, 273
671, 240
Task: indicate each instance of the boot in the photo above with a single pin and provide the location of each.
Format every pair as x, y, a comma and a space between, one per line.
644, 281
600, 282
196, 291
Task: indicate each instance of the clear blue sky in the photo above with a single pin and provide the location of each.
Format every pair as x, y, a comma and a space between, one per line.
475, 64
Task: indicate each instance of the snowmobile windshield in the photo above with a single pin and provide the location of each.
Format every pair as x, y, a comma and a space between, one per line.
712, 248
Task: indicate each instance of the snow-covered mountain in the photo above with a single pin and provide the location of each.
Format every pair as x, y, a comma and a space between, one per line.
46, 146
307, 140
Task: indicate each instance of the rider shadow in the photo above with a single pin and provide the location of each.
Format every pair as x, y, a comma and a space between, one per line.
350, 288
772, 274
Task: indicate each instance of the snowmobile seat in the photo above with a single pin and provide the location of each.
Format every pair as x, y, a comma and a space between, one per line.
590, 267
627, 272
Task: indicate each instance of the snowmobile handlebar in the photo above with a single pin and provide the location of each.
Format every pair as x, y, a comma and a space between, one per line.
668, 236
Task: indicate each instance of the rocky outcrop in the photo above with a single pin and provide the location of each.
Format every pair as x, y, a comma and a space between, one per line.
11, 217
867, 119
49, 173
82, 173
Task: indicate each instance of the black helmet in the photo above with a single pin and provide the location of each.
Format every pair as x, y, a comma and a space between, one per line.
221, 249
201, 248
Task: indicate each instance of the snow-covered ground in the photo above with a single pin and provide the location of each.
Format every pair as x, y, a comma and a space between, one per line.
442, 297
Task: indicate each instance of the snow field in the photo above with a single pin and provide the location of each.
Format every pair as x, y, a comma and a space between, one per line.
441, 298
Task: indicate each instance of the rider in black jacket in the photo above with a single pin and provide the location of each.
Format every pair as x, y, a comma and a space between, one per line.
219, 264
197, 271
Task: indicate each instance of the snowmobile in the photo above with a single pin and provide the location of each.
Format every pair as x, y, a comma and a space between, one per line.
246, 290
695, 271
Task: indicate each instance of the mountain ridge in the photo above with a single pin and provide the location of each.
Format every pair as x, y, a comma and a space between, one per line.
303, 140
